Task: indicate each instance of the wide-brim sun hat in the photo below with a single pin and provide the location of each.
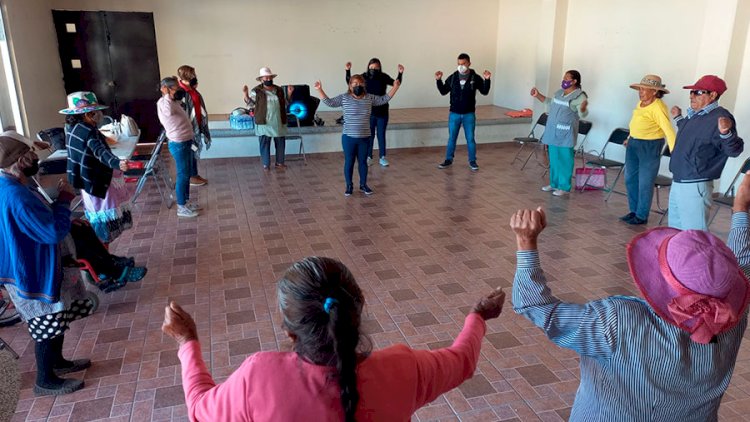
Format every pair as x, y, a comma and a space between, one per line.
691, 279
82, 102
651, 82
265, 71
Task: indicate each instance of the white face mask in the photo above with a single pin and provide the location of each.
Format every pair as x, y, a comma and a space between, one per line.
462, 69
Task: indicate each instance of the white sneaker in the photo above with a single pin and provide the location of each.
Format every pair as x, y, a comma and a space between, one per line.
384, 162
547, 188
559, 192
193, 206
369, 161
184, 211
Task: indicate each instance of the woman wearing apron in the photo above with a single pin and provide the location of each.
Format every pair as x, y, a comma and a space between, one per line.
565, 108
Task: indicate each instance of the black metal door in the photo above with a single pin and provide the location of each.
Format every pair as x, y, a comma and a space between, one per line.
114, 55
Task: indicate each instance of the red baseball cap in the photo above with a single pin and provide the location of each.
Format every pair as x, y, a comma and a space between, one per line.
711, 83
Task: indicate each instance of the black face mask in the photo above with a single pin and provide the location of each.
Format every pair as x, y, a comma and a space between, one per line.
31, 171
268, 83
179, 94
358, 90
373, 72
194, 82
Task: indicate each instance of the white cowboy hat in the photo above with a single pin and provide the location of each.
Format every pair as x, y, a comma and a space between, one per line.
265, 71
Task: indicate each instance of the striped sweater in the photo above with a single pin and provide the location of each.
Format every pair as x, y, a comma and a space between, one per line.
634, 365
357, 112
90, 160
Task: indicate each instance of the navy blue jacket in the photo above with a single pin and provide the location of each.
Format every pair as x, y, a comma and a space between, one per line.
700, 152
464, 99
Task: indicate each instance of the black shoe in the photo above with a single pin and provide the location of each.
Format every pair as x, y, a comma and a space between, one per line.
637, 221
627, 217
348, 191
445, 164
70, 366
67, 386
366, 190
473, 166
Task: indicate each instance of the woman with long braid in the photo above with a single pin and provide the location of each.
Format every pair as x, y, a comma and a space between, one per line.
331, 374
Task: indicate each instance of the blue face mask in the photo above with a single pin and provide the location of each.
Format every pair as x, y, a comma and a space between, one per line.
566, 84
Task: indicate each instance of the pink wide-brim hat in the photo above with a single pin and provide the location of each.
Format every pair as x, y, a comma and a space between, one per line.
691, 279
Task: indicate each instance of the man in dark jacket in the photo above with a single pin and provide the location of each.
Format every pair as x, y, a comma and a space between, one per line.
462, 85
706, 137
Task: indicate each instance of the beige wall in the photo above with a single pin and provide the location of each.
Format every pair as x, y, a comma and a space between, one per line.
228, 41
36, 62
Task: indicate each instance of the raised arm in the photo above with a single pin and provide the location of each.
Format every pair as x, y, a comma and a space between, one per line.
348, 67
442, 87
205, 400
739, 234
484, 84
729, 141
589, 329
442, 370
330, 102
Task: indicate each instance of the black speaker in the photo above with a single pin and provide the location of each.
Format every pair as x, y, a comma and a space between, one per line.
301, 99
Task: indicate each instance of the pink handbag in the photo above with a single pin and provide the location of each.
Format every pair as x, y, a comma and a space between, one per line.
598, 179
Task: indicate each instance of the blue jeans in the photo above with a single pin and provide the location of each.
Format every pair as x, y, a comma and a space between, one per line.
355, 149
183, 162
455, 121
689, 205
377, 124
642, 159
265, 149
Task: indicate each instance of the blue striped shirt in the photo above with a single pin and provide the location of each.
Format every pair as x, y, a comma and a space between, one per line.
357, 112
634, 365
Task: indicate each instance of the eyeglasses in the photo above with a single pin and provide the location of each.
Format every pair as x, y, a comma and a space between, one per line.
697, 92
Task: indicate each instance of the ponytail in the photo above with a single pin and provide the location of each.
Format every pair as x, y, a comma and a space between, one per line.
345, 339
321, 305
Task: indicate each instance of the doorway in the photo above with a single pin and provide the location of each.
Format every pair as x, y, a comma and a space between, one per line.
114, 55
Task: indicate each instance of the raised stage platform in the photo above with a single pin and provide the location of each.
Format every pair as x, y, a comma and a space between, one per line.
407, 128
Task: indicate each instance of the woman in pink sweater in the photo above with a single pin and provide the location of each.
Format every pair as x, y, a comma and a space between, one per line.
331, 375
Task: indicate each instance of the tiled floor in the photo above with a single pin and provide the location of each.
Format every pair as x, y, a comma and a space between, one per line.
424, 248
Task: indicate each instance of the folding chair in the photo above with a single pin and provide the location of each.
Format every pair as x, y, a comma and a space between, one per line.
727, 198
584, 127
618, 137
531, 140
155, 169
662, 182
297, 136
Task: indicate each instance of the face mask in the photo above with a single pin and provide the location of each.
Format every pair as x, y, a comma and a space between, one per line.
267, 83
30, 171
179, 95
566, 84
462, 69
358, 90
194, 82
373, 72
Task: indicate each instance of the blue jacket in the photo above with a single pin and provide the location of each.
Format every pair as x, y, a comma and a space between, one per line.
700, 152
30, 232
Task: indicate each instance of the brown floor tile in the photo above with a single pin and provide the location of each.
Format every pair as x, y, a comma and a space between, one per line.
503, 340
168, 396
422, 319
537, 375
84, 411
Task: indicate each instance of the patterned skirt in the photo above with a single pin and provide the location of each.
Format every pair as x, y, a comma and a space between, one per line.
50, 326
110, 216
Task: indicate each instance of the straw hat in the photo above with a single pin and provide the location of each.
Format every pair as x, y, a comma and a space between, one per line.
651, 82
265, 71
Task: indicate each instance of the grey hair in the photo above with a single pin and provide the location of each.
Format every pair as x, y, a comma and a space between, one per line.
169, 82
